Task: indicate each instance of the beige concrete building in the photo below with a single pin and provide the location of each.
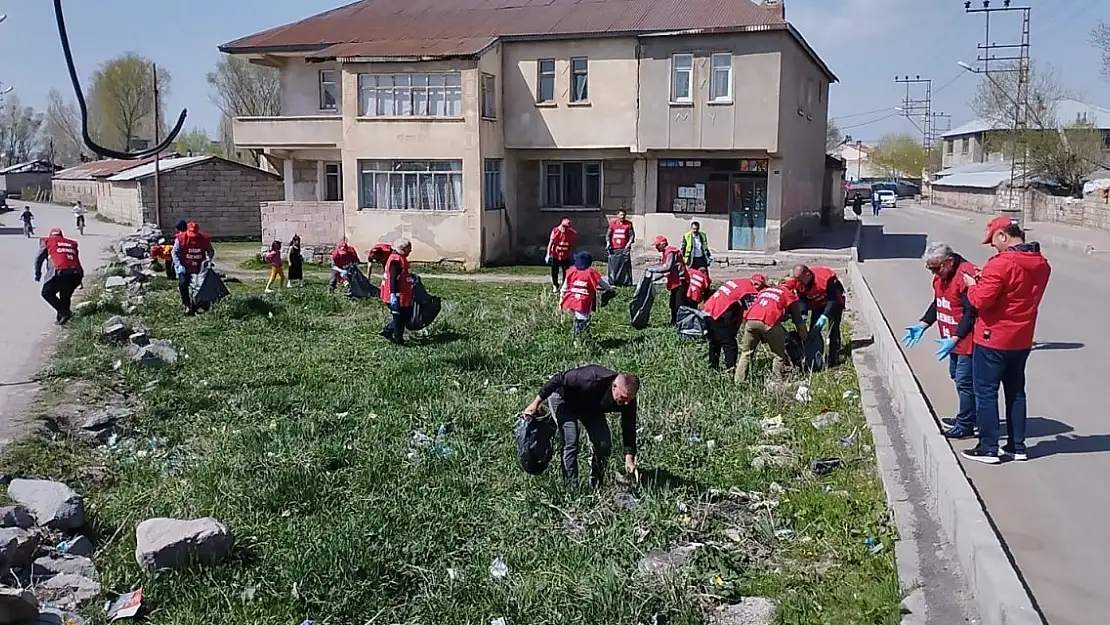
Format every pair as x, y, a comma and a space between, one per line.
473, 130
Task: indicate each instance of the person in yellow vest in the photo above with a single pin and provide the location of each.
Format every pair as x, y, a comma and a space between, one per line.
695, 248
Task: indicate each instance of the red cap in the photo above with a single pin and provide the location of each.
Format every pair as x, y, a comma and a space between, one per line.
565, 222
995, 225
758, 277
659, 240
55, 232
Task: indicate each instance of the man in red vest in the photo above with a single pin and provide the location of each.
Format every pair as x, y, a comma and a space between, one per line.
1007, 295
397, 291
580, 291
377, 254
621, 235
725, 309
763, 324
698, 289
823, 293
955, 317
342, 258
63, 272
191, 250
673, 268
560, 247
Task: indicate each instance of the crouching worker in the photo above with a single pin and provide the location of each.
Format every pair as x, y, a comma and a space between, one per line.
763, 324
63, 273
191, 249
397, 292
824, 295
726, 314
584, 395
580, 289
698, 290
377, 254
342, 258
673, 268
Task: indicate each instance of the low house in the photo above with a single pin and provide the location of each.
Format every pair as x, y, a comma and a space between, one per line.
979, 187
86, 183
29, 175
857, 161
224, 196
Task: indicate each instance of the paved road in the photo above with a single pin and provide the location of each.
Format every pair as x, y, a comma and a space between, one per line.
1053, 512
27, 322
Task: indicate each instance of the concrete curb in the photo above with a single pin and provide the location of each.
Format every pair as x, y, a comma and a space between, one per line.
1000, 595
1073, 245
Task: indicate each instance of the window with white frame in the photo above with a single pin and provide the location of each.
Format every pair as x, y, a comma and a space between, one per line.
410, 185
333, 182
493, 184
545, 80
329, 90
720, 87
410, 95
682, 77
489, 96
579, 79
572, 184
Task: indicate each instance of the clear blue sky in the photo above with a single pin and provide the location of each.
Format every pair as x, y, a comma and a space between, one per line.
865, 42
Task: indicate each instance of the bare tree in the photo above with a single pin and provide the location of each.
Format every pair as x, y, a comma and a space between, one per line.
1100, 37
123, 100
995, 100
62, 129
243, 89
833, 137
19, 130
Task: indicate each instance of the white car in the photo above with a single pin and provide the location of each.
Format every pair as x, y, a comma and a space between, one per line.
888, 198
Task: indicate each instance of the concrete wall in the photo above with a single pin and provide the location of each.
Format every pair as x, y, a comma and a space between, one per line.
1090, 212
121, 202
497, 239
13, 184
72, 191
976, 151
318, 223
966, 198
300, 88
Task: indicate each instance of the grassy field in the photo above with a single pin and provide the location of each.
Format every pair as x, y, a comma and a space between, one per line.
292, 422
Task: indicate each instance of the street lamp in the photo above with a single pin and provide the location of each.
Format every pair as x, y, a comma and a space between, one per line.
3, 16
5, 91
966, 66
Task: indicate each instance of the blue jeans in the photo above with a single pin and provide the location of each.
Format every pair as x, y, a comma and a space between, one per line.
960, 370
1006, 368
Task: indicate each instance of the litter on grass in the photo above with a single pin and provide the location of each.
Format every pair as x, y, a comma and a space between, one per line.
825, 466
125, 606
824, 419
498, 569
498, 621
803, 395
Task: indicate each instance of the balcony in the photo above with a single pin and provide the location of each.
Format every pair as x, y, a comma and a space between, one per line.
297, 131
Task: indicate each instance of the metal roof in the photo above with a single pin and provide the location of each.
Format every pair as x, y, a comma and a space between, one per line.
28, 167
164, 165
99, 169
986, 175
1065, 112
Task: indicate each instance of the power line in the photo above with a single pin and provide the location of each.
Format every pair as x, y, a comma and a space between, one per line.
882, 110
869, 123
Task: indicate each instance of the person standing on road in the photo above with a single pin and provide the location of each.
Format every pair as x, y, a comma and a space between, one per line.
27, 217
695, 248
63, 273
955, 319
397, 292
824, 295
560, 248
671, 267
1007, 295
584, 395
857, 205
763, 324
876, 202
725, 309
191, 250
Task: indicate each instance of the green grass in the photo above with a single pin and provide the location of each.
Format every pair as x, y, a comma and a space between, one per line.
294, 430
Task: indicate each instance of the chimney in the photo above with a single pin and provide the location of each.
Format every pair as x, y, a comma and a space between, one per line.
778, 6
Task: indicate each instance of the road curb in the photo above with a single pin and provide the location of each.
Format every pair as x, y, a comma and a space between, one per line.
1073, 245
1000, 595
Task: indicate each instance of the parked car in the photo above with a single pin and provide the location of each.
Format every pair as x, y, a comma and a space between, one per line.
888, 198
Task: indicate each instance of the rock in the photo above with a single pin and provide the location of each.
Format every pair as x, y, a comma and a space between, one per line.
49, 566
666, 562
54, 504
77, 546
105, 417
17, 606
750, 611
78, 307
765, 456
54, 616
116, 329
17, 547
140, 338
16, 516
67, 591
134, 249
172, 543
824, 419
113, 282
155, 355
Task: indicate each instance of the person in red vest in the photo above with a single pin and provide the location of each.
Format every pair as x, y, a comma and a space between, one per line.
580, 291
377, 254
192, 249
698, 289
823, 293
763, 324
342, 258
725, 309
397, 291
560, 248
673, 268
1007, 294
621, 234
63, 273
955, 317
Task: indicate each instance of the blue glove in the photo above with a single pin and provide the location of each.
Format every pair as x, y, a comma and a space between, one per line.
395, 302
547, 259
946, 347
913, 335
822, 321
180, 271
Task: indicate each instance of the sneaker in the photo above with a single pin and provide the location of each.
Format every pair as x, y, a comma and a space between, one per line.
949, 421
978, 455
958, 432
1004, 451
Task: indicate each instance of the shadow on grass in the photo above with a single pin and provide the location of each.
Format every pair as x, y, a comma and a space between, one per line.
663, 479
241, 309
617, 342
439, 338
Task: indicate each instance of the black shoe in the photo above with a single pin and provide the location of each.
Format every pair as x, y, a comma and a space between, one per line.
1006, 450
978, 455
959, 431
64, 318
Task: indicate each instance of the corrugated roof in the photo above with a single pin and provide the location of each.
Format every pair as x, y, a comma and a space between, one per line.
99, 169
164, 165
28, 167
986, 175
1065, 111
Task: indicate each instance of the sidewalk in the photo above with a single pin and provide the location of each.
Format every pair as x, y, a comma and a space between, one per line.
1072, 238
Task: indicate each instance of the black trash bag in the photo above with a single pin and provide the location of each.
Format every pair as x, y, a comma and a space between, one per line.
606, 297
691, 323
620, 268
639, 309
533, 442
808, 355
206, 288
425, 307
795, 351
358, 285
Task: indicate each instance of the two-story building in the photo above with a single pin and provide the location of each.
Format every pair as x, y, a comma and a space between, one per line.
471, 127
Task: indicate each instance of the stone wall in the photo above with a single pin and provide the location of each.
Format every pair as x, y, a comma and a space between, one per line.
969, 198
1090, 212
318, 223
73, 191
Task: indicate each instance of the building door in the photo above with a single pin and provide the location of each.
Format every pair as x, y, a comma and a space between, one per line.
747, 215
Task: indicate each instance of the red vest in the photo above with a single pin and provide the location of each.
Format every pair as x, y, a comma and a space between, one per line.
581, 289
950, 308
770, 305
619, 233
343, 256
561, 245
699, 285
404, 281
193, 245
380, 252
62, 253
817, 294
726, 295
679, 276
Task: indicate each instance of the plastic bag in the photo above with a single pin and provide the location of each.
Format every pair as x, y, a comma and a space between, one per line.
358, 285
639, 309
620, 268
691, 323
207, 288
533, 442
425, 307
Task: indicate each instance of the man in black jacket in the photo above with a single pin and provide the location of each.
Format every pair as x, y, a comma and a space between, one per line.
585, 395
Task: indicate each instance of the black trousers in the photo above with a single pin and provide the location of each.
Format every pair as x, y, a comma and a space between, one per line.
58, 292
395, 329
170, 272
832, 357
597, 428
183, 281
699, 262
559, 271
678, 299
722, 337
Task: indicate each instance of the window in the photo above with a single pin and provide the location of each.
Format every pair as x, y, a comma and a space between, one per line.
545, 80
489, 96
410, 185
333, 182
965, 144
682, 77
720, 89
493, 189
949, 146
575, 184
410, 95
802, 110
329, 91
579, 80
811, 89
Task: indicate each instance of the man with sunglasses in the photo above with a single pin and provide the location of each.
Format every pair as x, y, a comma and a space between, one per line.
954, 316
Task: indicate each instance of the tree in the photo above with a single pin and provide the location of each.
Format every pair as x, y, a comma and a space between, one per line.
19, 130
1100, 37
122, 96
243, 89
901, 155
196, 142
62, 129
833, 137
995, 98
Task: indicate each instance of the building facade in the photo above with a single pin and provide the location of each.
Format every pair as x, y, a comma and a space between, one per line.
475, 147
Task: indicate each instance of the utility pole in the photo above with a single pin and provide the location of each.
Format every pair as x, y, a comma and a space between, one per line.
1016, 61
947, 125
919, 107
157, 157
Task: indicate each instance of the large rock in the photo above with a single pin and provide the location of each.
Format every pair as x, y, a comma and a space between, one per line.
172, 543
155, 355
16, 516
68, 592
135, 249
49, 566
17, 606
116, 329
54, 616
17, 547
54, 504
750, 611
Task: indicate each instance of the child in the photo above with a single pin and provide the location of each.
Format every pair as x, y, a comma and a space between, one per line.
163, 253
296, 261
273, 259
580, 289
